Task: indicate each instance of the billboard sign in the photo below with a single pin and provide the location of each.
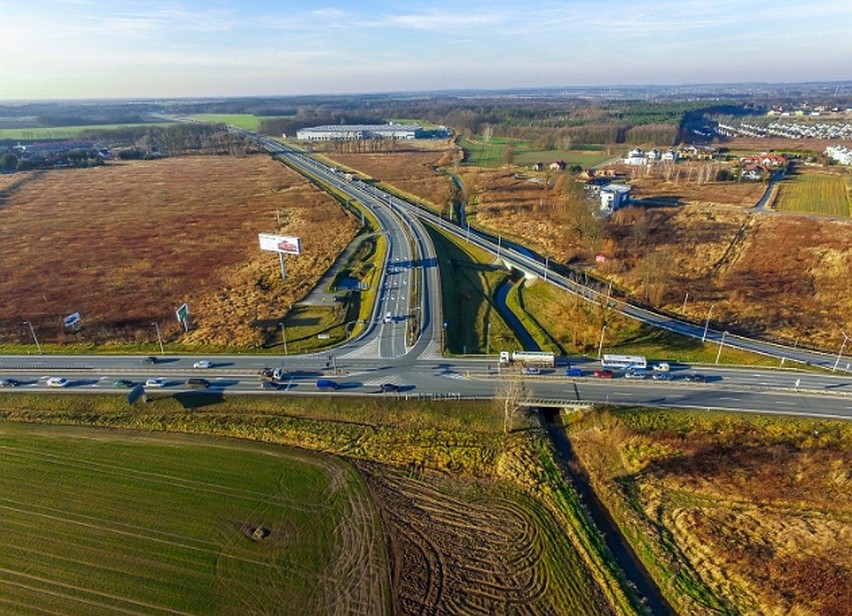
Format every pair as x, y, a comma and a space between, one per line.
286, 244
71, 320
182, 313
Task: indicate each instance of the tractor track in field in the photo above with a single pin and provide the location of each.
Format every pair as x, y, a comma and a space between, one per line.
453, 556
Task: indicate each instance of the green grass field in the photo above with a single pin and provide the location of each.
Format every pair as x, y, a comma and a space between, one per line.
246, 121
816, 193
490, 154
96, 522
65, 132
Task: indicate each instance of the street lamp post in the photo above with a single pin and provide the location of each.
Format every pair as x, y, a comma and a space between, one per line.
600, 344
32, 331
707, 323
488, 338
284, 336
721, 343
686, 297
839, 353
159, 337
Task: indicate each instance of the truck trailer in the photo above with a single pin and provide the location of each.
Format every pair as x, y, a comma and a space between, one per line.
528, 358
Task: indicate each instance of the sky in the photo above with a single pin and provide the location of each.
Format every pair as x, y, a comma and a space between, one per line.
186, 48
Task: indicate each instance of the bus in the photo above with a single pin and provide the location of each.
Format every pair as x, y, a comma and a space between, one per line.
624, 362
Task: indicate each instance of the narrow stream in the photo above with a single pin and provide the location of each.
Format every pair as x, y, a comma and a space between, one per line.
632, 568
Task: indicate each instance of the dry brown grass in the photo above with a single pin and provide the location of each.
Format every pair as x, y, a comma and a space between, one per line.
411, 171
760, 513
127, 243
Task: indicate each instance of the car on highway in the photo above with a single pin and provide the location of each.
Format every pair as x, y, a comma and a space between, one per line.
388, 317
327, 385
573, 372
203, 363
530, 370
155, 382
635, 374
384, 387
662, 376
661, 367
122, 383
603, 374
57, 381
149, 360
9, 383
195, 383
695, 378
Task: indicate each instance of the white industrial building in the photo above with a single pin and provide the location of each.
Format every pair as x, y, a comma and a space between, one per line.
839, 154
349, 132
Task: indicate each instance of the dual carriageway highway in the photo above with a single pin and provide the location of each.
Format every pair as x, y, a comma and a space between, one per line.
385, 353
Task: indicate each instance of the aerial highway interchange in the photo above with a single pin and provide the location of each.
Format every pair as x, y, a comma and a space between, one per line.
385, 359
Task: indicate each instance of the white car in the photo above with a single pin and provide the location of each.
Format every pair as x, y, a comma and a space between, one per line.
530, 370
157, 382
662, 376
203, 363
662, 367
57, 381
634, 374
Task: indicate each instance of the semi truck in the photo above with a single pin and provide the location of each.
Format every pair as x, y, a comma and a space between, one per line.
528, 358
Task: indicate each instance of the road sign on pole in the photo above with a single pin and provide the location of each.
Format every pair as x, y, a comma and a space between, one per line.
182, 315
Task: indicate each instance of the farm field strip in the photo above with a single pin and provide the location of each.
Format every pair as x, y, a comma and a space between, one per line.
103, 532
816, 193
117, 471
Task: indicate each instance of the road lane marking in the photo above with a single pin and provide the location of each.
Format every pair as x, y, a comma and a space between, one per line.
729, 398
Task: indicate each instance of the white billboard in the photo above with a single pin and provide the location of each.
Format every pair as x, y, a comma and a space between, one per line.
280, 243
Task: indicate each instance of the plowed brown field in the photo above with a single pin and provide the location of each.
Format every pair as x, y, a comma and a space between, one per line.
127, 243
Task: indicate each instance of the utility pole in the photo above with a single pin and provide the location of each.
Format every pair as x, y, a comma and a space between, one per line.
707, 323
488, 338
32, 331
721, 343
683, 310
839, 353
159, 337
600, 344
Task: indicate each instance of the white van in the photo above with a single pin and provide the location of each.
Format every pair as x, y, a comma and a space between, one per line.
388, 317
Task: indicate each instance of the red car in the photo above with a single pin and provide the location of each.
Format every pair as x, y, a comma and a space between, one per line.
603, 374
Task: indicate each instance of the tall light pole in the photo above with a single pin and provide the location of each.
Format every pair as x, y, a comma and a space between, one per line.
488, 338
721, 343
159, 337
546, 264
707, 323
284, 337
686, 297
600, 344
839, 353
32, 331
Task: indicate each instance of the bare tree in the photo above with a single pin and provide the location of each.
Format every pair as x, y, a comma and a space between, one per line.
512, 392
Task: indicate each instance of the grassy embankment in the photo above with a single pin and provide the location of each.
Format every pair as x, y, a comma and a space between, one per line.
731, 514
464, 439
468, 284
828, 194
